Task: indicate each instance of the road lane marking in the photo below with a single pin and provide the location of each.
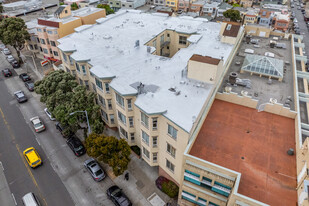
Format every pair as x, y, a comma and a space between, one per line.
37, 141
14, 199
1, 166
22, 157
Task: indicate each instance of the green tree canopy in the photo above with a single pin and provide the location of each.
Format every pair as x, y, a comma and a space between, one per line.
13, 31
107, 8
114, 152
74, 6
63, 95
234, 15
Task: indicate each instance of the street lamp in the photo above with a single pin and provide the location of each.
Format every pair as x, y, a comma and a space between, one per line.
89, 129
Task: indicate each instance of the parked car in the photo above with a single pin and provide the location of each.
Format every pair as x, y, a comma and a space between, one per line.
30, 86
10, 58
20, 96
117, 196
49, 114
61, 129
15, 64
37, 124
7, 72
94, 169
2, 46
32, 157
292, 5
25, 77
76, 146
6, 51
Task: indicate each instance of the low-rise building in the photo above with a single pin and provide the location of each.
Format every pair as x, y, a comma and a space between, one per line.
222, 8
129, 4
246, 3
210, 9
184, 5
62, 23
114, 4
265, 17
197, 7
281, 21
250, 17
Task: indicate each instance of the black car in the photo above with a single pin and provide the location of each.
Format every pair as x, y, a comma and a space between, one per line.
76, 146
7, 72
25, 77
20, 96
62, 130
15, 64
117, 196
30, 86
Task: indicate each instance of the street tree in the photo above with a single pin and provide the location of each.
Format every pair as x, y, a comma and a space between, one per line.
13, 31
74, 6
107, 8
63, 96
110, 150
234, 15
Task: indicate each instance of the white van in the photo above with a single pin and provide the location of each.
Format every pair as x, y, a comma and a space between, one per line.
30, 200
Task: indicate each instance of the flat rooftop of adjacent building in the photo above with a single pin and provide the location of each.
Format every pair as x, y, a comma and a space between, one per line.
252, 143
261, 89
110, 47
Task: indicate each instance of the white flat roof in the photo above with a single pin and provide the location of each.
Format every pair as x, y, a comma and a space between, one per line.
110, 49
85, 11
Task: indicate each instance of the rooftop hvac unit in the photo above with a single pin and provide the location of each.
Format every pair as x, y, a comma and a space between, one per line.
273, 100
232, 77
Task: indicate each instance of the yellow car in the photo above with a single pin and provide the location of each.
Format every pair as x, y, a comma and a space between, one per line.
32, 157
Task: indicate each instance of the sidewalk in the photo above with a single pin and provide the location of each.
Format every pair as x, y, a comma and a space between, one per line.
141, 186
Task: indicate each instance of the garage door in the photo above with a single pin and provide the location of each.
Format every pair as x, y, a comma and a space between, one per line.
262, 34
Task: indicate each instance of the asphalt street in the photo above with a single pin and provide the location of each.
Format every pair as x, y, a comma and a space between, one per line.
62, 179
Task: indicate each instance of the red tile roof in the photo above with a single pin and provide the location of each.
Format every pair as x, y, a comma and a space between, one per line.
205, 59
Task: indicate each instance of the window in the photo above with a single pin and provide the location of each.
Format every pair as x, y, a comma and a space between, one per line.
41, 49
170, 166
131, 123
172, 3
38, 40
49, 32
154, 141
107, 87
144, 119
86, 84
132, 137
182, 40
47, 41
80, 81
155, 157
112, 118
104, 115
145, 137
170, 149
35, 47
111, 2
123, 5
84, 69
42, 41
154, 123
77, 67
162, 39
109, 104
55, 53
172, 131
45, 51
94, 87
30, 46
145, 153
102, 101
39, 30
51, 51
119, 100
55, 32
154, 43
168, 35
130, 5
98, 83
66, 11
123, 132
64, 57
129, 102
122, 118
71, 60
52, 43
117, 3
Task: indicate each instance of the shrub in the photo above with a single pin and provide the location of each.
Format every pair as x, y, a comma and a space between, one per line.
170, 188
136, 150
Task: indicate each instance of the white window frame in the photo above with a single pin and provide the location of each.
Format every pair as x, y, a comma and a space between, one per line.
122, 117
144, 120
146, 153
155, 141
119, 100
131, 121
170, 150
154, 122
171, 131
145, 137
169, 165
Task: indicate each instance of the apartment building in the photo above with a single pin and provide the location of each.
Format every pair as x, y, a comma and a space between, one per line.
50, 28
150, 77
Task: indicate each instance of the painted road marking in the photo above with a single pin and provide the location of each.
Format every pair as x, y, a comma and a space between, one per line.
14, 199
37, 141
22, 157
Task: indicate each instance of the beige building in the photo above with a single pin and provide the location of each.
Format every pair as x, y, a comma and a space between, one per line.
50, 29
150, 78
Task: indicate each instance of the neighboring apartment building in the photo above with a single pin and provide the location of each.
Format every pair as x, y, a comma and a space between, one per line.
250, 17
281, 21
132, 4
172, 4
222, 8
210, 9
246, 3
152, 77
184, 5
197, 7
265, 17
114, 4
64, 21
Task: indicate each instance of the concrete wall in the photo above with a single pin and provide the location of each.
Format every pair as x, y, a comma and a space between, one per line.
256, 30
228, 39
68, 28
91, 18
234, 98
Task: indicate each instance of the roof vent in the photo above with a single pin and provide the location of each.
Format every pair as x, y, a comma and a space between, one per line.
273, 100
229, 26
172, 89
177, 93
290, 152
232, 78
137, 43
